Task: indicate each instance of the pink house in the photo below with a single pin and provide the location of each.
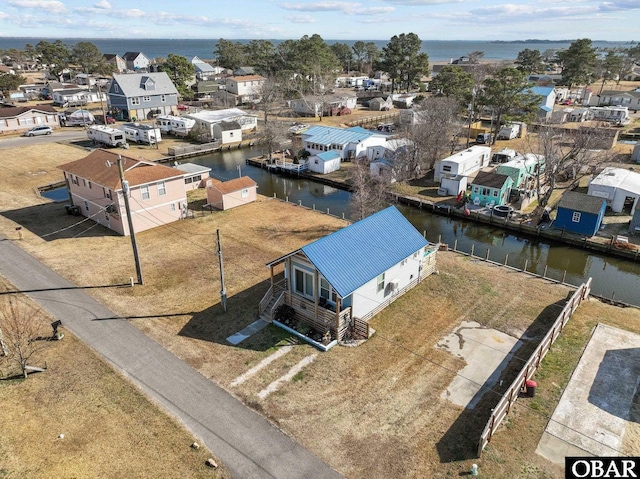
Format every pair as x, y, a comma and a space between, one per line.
229, 194
157, 193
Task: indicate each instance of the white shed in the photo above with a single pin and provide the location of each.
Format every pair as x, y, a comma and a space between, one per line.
620, 187
463, 163
325, 162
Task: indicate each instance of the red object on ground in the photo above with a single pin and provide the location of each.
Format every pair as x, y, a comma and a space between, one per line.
531, 387
467, 212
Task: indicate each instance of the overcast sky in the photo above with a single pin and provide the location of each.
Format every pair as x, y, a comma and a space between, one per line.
615, 20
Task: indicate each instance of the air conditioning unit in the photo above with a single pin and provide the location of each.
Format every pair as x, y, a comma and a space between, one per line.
393, 285
443, 192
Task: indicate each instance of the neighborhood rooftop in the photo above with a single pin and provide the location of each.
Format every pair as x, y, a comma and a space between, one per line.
100, 167
217, 115
350, 257
581, 202
327, 135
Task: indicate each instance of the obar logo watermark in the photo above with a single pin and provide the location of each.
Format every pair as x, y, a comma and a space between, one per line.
601, 467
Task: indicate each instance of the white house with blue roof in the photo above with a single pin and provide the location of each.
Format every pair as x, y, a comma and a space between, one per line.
339, 282
548, 94
349, 143
324, 163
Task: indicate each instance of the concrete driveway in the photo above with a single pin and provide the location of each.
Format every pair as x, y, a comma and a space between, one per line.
247, 443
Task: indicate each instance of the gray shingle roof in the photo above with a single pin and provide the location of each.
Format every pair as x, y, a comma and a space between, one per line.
132, 84
572, 200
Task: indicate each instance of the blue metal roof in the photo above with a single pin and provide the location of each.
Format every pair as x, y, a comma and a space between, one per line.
364, 250
545, 91
328, 155
328, 135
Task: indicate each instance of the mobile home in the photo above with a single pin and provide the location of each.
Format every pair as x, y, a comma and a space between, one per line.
175, 125
139, 133
106, 136
463, 163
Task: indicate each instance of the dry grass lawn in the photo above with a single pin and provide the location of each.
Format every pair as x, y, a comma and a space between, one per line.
110, 428
373, 411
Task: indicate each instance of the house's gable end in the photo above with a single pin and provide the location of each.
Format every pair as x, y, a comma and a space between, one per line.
355, 255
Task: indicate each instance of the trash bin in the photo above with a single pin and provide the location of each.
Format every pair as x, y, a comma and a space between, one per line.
531, 387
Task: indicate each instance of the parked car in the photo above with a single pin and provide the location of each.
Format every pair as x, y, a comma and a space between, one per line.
110, 120
483, 139
38, 130
182, 107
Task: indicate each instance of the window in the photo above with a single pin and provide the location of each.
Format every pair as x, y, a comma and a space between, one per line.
486, 192
163, 98
446, 168
144, 190
404, 261
304, 283
173, 206
135, 101
115, 88
146, 98
90, 187
476, 189
576, 217
86, 205
380, 282
162, 188
495, 193
245, 192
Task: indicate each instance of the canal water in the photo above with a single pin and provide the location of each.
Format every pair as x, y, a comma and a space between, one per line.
612, 277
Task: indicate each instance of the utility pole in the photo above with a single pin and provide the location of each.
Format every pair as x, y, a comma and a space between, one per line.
223, 291
134, 245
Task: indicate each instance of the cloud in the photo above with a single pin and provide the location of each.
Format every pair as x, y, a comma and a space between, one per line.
619, 6
52, 6
342, 7
300, 18
422, 2
103, 4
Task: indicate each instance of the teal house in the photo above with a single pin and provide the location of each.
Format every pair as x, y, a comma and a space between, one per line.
490, 189
522, 170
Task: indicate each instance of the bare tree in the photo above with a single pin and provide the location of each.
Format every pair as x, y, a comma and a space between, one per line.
369, 193
568, 153
271, 97
21, 330
437, 122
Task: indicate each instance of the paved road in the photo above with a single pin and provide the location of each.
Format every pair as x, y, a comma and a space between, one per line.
57, 135
248, 444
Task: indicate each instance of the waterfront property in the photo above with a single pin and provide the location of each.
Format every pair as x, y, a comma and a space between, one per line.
340, 281
195, 175
324, 163
521, 170
349, 143
463, 163
207, 122
157, 193
22, 118
548, 99
78, 97
385, 160
116, 60
139, 96
490, 189
580, 213
225, 195
620, 187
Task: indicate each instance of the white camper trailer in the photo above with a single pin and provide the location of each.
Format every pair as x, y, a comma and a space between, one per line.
175, 125
509, 132
106, 136
140, 133
463, 163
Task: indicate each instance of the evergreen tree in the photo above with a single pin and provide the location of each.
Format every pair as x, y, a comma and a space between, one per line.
578, 62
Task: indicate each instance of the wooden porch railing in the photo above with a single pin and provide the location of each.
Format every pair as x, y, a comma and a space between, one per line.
323, 320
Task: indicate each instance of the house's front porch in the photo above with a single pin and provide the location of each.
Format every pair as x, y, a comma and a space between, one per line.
316, 314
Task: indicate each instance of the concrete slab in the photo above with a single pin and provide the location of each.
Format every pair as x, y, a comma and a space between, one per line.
253, 328
595, 408
484, 350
